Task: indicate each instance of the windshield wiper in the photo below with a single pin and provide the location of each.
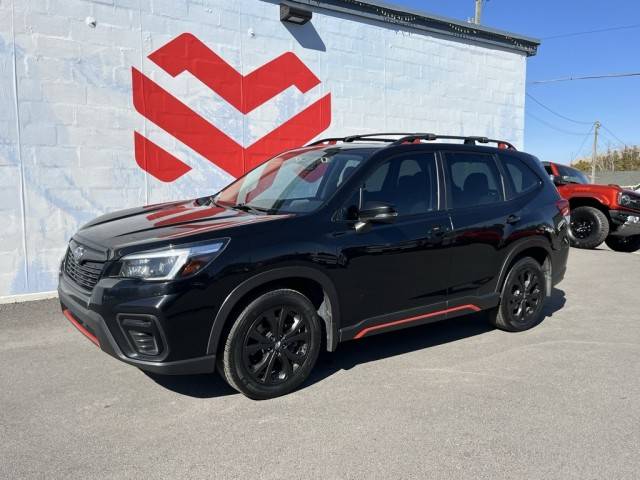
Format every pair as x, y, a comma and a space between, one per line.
250, 208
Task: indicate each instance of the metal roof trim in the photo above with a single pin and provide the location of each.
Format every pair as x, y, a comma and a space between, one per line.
407, 17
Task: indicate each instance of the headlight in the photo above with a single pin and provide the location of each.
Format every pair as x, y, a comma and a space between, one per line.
625, 199
168, 263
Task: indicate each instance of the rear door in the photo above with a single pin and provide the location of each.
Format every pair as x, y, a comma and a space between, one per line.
479, 215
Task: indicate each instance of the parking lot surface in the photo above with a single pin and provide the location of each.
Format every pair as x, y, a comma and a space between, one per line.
455, 399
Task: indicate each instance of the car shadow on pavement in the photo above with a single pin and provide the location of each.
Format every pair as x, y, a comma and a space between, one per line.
378, 347
555, 302
351, 354
391, 344
198, 386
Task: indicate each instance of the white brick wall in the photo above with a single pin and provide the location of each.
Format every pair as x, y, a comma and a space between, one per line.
66, 132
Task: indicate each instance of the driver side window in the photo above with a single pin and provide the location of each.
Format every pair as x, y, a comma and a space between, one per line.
409, 183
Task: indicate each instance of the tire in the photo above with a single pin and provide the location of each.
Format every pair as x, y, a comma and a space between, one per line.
589, 227
518, 312
623, 244
272, 345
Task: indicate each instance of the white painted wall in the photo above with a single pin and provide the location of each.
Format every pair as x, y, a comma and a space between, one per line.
67, 119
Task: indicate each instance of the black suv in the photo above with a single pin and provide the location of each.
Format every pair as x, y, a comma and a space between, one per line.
335, 241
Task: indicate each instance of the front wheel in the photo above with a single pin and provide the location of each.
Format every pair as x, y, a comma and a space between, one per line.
522, 299
623, 244
589, 227
272, 346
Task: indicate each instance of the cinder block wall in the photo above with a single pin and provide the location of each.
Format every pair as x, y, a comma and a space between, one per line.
67, 118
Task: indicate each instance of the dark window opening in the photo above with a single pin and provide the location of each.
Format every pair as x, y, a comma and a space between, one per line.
473, 179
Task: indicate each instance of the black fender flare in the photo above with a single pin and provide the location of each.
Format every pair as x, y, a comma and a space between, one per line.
330, 315
517, 248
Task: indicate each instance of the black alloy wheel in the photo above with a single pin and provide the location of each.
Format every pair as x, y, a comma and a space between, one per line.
272, 345
582, 228
276, 345
523, 297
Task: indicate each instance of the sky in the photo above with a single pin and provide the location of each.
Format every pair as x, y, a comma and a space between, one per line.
615, 102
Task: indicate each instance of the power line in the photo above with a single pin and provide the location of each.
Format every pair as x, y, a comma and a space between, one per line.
588, 77
544, 122
587, 32
609, 132
584, 140
614, 136
610, 139
556, 113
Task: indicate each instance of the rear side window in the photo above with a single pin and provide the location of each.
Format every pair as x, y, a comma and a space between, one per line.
473, 179
520, 177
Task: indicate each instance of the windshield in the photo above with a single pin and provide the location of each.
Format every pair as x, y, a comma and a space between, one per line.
572, 175
294, 182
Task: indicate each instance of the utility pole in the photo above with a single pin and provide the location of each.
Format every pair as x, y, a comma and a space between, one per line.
478, 16
594, 156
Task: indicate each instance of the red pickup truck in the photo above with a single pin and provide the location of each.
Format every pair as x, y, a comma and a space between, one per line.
599, 213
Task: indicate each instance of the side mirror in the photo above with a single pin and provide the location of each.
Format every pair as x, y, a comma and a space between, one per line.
375, 212
558, 180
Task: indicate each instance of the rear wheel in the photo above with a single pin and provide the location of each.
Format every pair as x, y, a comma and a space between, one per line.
589, 227
623, 244
522, 299
272, 346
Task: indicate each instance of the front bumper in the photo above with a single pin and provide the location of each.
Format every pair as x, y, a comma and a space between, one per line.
96, 321
626, 223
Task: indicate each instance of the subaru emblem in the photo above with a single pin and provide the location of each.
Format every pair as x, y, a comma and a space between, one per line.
78, 252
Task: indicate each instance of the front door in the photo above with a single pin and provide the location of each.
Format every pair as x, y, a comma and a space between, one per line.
400, 269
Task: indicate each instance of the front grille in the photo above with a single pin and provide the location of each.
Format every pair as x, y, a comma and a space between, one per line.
84, 274
634, 202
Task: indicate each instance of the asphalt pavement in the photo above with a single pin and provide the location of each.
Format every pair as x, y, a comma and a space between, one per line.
455, 399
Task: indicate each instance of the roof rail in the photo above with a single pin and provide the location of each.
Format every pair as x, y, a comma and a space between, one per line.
467, 140
410, 138
369, 137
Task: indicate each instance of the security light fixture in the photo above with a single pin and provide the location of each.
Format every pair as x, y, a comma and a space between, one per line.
295, 15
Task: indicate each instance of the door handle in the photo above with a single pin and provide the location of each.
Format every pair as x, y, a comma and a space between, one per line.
436, 231
511, 219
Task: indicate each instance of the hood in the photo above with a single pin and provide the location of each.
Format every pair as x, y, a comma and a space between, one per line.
600, 187
594, 187
167, 224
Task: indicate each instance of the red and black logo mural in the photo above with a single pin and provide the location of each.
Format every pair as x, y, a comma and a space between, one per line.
186, 53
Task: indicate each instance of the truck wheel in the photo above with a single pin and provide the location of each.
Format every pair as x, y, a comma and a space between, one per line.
522, 299
272, 346
623, 244
589, 227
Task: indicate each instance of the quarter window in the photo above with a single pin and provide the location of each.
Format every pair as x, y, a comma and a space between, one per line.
473, 179
520, 177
